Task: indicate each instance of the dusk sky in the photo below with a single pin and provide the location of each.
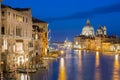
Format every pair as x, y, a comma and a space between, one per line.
66, 18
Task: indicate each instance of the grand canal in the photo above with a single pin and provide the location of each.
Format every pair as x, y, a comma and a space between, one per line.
79, 65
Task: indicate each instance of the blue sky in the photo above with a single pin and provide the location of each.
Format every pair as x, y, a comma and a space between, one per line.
66, 18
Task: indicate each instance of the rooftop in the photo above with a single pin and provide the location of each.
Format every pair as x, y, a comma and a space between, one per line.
17, 9
37, 20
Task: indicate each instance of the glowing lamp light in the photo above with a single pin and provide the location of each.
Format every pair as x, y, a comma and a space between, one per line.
26, 59
116, 57
62, 52
62, 62
97, 53
18, 61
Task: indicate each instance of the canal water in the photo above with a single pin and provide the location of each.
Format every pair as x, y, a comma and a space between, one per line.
79, 65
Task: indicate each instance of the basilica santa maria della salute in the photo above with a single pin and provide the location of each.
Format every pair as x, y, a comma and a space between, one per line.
88, 30
99, 39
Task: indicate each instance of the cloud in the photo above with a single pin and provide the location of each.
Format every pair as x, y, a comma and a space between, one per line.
79, 15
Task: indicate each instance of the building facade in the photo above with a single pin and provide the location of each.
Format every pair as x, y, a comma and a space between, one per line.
40, 35
16, 35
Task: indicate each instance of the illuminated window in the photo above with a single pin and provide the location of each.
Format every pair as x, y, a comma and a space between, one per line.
5, 44
36, 36
19, 47
19, 18
76, 43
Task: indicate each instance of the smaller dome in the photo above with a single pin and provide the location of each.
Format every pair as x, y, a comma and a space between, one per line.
101, 30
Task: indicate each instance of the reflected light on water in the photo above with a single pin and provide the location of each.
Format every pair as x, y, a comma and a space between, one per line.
97, 65
62, 70
80, 60
116, 68
79, 53
79, 77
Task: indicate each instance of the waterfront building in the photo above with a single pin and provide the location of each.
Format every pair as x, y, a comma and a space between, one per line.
0, 42
100, 42
23, 39
67, 44
16, 35
40, 35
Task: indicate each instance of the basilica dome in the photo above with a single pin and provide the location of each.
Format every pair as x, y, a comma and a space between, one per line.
88, 30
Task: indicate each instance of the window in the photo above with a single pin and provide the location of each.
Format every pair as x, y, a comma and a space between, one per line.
18, 31
2, 30
8, 13
3, 13
19, 18
33, 36
23, 19
30, 44
13, 16
5, 44
19, 47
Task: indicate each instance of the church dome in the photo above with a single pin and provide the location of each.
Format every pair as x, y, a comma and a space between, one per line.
88, 30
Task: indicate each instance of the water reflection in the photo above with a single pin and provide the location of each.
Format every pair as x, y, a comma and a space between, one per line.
97, 60
79, 76
97, 66
79, 60
116, 68
79, 65
62, 70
